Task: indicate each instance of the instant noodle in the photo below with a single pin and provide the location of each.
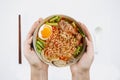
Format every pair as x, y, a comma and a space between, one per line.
59, 40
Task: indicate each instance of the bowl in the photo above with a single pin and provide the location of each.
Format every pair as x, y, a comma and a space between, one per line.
59, 41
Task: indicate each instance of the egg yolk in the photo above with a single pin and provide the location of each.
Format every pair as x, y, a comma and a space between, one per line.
46, 32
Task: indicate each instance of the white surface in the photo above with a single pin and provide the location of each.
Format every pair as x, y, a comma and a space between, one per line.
94, 13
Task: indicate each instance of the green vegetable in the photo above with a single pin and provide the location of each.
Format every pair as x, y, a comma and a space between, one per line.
40, 43
39, 51
52, 24
81, 32
78, 50
38, 48
59, 18
55, 19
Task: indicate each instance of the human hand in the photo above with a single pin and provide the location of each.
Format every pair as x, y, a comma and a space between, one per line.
39, 69
80, 70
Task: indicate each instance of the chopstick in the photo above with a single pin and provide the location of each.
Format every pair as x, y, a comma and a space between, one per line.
19, 40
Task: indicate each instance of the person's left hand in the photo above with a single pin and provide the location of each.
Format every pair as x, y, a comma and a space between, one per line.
80, 70
29, 52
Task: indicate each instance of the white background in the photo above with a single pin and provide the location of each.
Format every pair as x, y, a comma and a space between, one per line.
102, 17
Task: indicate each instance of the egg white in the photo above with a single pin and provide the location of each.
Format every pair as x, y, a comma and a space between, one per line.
40, 29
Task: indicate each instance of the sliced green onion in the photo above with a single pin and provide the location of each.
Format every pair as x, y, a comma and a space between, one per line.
38, 48
40, 44
81, 32
41, 41
59, 18
52, 24
39, 51
54, 18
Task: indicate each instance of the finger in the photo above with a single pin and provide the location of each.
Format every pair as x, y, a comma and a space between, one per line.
40, 19
30, 40
28, 43
34, 26
90, 49
27, 47
86, 31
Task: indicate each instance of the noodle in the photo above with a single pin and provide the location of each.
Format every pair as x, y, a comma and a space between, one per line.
62, 44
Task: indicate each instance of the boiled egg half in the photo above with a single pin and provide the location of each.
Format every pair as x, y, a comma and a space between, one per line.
45, 31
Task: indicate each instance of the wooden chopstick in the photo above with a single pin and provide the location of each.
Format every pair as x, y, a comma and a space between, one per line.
19, 40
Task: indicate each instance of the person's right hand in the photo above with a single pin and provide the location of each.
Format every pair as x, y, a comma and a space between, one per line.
29, 52
39, 69
80, 70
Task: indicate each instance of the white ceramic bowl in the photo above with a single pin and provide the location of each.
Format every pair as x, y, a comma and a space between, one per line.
59, 63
